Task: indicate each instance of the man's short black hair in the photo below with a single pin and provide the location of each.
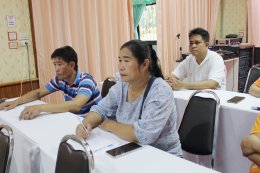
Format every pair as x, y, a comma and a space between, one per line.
200, 31
67, 53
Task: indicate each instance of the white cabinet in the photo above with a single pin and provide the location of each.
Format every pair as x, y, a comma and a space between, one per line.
232, 66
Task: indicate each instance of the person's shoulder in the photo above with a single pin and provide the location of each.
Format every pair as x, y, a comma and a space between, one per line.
118, 88
190, 57
161, 86
84, 76
55, 78
58, 81
160, 91
184, 64
214, 54
160, 82
214, 57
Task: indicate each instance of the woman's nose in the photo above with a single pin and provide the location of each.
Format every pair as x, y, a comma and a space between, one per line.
120, 67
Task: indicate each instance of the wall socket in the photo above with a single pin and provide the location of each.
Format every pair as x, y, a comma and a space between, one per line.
22, 43
23, 39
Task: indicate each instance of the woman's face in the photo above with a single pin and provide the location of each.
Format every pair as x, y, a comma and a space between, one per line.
128, 66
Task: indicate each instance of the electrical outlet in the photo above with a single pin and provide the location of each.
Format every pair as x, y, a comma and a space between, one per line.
23, 39
22, 43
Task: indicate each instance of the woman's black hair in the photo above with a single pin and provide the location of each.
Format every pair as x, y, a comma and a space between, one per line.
141, 51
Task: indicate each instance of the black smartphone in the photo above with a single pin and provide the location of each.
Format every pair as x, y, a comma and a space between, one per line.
121, 150
256, 108
236, 99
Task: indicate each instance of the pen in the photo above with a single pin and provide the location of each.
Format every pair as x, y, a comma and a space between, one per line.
86, 130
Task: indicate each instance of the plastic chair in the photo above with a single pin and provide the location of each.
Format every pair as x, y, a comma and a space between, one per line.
253, 75
71, 160
6, 148
107, 84
198, 128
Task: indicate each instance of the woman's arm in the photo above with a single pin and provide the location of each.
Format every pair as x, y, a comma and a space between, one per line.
106, 108
123, 131
254, 90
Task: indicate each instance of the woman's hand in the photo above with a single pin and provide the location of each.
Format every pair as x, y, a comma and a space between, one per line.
83, 131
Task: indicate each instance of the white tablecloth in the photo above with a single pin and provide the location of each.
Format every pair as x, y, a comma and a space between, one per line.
37, 142
235, 122
32, 137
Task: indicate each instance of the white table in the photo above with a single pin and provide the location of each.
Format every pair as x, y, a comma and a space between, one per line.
235, 122
37, 141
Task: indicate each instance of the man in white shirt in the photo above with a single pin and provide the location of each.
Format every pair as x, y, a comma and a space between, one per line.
203, 69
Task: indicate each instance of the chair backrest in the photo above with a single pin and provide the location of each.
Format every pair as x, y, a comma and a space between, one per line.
6, 148
197, 130
72, 160
253, 75
107, 84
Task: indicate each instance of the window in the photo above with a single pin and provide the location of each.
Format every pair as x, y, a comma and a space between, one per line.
147, 24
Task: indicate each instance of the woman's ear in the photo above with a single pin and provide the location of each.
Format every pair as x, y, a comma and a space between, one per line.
146, 64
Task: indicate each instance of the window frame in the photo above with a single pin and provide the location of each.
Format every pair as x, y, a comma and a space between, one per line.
152, 42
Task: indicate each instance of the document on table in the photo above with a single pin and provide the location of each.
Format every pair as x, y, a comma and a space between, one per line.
101, 139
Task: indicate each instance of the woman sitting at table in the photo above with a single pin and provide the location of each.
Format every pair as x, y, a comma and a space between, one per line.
127, 113
255, 88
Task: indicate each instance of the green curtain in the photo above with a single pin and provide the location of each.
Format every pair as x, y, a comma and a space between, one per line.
138, 11
138, 7
146, 2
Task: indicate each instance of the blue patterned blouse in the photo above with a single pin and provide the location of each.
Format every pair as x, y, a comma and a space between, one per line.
157, 125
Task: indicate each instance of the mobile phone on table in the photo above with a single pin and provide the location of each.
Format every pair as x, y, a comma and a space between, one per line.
121, 150
256, 108
236, 99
